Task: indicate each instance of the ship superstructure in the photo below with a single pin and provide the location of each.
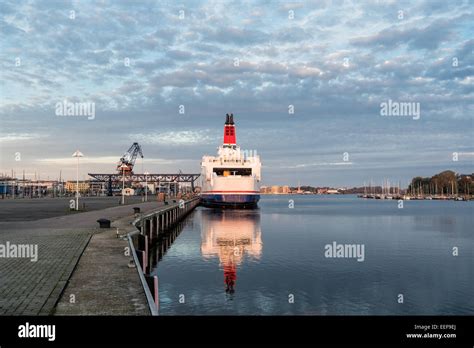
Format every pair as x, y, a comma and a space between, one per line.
232, 178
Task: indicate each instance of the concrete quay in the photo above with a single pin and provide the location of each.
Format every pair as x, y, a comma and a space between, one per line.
34, 288
103, 283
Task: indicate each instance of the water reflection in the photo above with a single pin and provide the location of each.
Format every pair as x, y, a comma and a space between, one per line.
230, 235
405, 251
164, 242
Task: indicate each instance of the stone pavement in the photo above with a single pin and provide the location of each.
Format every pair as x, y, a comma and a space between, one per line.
102, 283
30, 288
34, 288
30, 209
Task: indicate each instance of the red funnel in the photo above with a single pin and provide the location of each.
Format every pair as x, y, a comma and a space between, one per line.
229, 130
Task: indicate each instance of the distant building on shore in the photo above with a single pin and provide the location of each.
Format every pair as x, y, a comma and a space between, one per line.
13, 187
71, 186
302, 190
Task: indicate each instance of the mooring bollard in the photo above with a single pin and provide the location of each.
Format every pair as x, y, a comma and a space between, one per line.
104, 223
136, 210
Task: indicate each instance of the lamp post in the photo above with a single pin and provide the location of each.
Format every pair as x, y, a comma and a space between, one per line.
77, 154
146, 186
123, 166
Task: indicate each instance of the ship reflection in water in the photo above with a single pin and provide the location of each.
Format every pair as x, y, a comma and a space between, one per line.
230, 236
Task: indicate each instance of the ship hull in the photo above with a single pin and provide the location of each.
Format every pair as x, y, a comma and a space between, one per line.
230, 200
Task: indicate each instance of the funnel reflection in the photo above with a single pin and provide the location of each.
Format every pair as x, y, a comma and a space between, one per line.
230, 235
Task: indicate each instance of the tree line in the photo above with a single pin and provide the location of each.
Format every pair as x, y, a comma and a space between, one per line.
444, 183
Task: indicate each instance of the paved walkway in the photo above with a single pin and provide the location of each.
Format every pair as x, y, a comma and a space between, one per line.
102, 283
33, 288
31, 209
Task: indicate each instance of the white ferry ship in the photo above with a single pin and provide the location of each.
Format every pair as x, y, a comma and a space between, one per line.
230, 179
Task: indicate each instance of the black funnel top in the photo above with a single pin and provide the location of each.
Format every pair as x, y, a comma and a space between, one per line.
231, 121
226, 118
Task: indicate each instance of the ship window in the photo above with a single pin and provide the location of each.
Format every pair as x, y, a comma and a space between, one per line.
233, 171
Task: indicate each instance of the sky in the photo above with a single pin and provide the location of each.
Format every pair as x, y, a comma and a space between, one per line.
305, 81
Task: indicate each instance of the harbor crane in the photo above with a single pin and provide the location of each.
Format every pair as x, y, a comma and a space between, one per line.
127, 161
125, 166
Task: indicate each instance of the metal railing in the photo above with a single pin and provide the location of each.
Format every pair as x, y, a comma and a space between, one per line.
149, 227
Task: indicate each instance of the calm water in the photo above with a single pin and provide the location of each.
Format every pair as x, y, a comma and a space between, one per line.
255, 262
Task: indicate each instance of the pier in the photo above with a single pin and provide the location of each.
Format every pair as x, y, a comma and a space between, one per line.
408, 197
81, 268
151, 227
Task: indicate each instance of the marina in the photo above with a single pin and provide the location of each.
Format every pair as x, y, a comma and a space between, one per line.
421, 197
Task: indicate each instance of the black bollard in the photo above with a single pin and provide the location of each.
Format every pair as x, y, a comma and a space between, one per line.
104, 223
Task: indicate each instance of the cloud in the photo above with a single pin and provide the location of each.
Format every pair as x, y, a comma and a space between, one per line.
107, 160
334, 62
320, 164
18, 137
175, 137
234, 35
429, 37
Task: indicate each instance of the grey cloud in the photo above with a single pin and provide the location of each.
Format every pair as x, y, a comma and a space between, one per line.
234, 35
8, 29
429, 37
281, 62
294, 34
179, 55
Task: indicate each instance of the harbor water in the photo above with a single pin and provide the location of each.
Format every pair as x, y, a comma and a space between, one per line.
417, 259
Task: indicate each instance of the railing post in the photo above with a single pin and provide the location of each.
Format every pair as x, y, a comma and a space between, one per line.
154, 227
147, 227
145, 268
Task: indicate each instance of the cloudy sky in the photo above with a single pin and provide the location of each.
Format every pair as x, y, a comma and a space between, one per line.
332, 62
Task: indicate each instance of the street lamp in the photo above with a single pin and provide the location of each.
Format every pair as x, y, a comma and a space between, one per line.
146, 186
123, 166
77, 154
